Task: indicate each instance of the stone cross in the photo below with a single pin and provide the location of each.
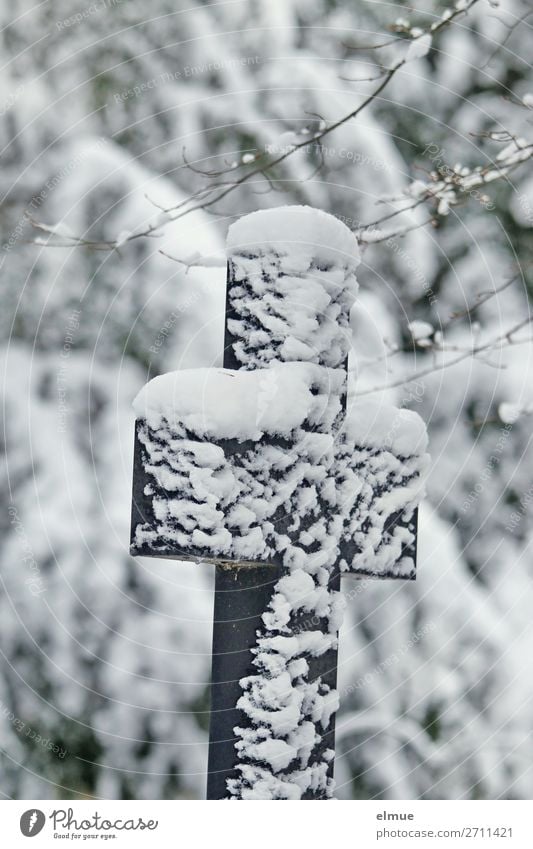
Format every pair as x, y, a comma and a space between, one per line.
268, 470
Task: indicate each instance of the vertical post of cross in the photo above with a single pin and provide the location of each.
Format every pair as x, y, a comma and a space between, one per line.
277, 283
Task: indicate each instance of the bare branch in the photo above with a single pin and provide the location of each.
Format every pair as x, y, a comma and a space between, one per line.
212, 194
508, 338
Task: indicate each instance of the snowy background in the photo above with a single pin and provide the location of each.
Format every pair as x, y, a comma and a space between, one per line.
105, 660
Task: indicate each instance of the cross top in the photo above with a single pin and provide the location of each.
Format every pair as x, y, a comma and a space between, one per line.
259, 469
292, 274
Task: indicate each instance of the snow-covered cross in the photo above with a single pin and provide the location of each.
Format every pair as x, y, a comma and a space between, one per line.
262, 468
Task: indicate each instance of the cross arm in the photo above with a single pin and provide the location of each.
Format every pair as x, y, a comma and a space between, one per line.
246, 487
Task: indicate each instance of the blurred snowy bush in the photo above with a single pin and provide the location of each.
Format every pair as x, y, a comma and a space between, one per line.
109, 658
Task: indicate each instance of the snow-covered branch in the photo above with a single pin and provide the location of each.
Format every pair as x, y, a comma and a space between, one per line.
419, 42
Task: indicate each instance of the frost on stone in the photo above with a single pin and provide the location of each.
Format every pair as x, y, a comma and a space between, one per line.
226, 467
229, 456
262, 464
295, 274
299, 484
242, 405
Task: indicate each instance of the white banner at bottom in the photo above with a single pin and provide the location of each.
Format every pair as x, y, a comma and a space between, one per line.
357, 824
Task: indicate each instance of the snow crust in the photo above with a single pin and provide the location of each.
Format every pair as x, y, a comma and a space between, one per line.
293, 285
262, 464
231, 404
376, 424
297, 232
225, 486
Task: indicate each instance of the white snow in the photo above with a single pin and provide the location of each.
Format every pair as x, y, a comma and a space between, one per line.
293, 285
376, 424
339, 481
229, 404
421, 330
516, 151
509, 413
341, 478
122, 237
419, 47
198, 260
294, 230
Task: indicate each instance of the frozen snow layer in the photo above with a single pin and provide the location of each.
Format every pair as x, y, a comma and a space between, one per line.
294, 229
256, 465
324, 492
228, 404
244, 405
298, 485
376, 424
291, 287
